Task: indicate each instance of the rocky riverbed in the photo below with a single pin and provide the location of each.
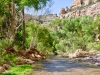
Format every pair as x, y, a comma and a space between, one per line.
63, 66
94, 60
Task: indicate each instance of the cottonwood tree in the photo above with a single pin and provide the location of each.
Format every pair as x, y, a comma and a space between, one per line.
36, 4
8, 7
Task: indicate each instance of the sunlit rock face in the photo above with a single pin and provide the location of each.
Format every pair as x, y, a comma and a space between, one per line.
75, 4
92, 10
62, 13
79, 3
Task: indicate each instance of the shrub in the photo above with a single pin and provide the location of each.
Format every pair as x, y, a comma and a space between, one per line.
5, 43
71, 34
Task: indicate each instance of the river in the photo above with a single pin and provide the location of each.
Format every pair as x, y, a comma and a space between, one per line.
63, 66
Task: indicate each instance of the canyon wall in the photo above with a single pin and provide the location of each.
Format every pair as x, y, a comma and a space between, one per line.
77, 9
79, 3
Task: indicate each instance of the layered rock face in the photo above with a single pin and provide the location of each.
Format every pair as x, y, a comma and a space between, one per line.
92, 10
79, 3
75, 4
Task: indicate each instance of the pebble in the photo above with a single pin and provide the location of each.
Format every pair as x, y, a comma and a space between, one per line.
91, 59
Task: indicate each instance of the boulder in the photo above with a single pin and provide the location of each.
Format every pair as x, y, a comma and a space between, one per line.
65, 55
81, 53
38, 56
98, 59
2, 69
29, 61
78, 53
98, 55
72, 55
6, 66
97, 64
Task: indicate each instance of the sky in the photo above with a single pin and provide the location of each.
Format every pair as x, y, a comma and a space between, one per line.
60, 4
55, 9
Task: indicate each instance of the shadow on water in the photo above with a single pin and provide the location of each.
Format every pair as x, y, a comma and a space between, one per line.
61, 65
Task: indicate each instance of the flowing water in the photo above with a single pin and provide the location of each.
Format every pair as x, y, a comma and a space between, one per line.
62, 66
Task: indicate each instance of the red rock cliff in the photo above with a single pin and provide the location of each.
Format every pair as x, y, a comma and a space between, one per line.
84, 8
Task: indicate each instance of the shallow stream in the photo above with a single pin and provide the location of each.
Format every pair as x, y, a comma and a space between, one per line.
63, 66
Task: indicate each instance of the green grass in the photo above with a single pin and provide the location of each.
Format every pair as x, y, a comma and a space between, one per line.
19, 70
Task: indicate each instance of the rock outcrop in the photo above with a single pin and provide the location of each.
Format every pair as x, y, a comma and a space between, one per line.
62, 13
76, 3
92, 10
79, 3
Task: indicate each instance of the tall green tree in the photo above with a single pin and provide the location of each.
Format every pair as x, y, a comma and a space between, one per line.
36, 4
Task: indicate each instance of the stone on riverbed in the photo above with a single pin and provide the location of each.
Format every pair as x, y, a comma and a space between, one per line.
95, 60
97, 64
29, 61
98, 59
78, 53
81, 53
65, 55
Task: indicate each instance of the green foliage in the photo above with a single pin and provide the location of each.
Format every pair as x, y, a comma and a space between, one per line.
5, 43
38, 35
19, 70
9, 57
96, 25
71, 34
18, 38
94, 46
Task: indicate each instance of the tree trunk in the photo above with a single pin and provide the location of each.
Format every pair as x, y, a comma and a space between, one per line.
13, 20
23, 29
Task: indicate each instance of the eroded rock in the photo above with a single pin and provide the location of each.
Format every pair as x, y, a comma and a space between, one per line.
83, 9
62, 13
79, 3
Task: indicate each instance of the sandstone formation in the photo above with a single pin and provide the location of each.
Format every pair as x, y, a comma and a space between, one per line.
62, 13
79, 3
67, 9
76, 3
55, 16
92, 10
